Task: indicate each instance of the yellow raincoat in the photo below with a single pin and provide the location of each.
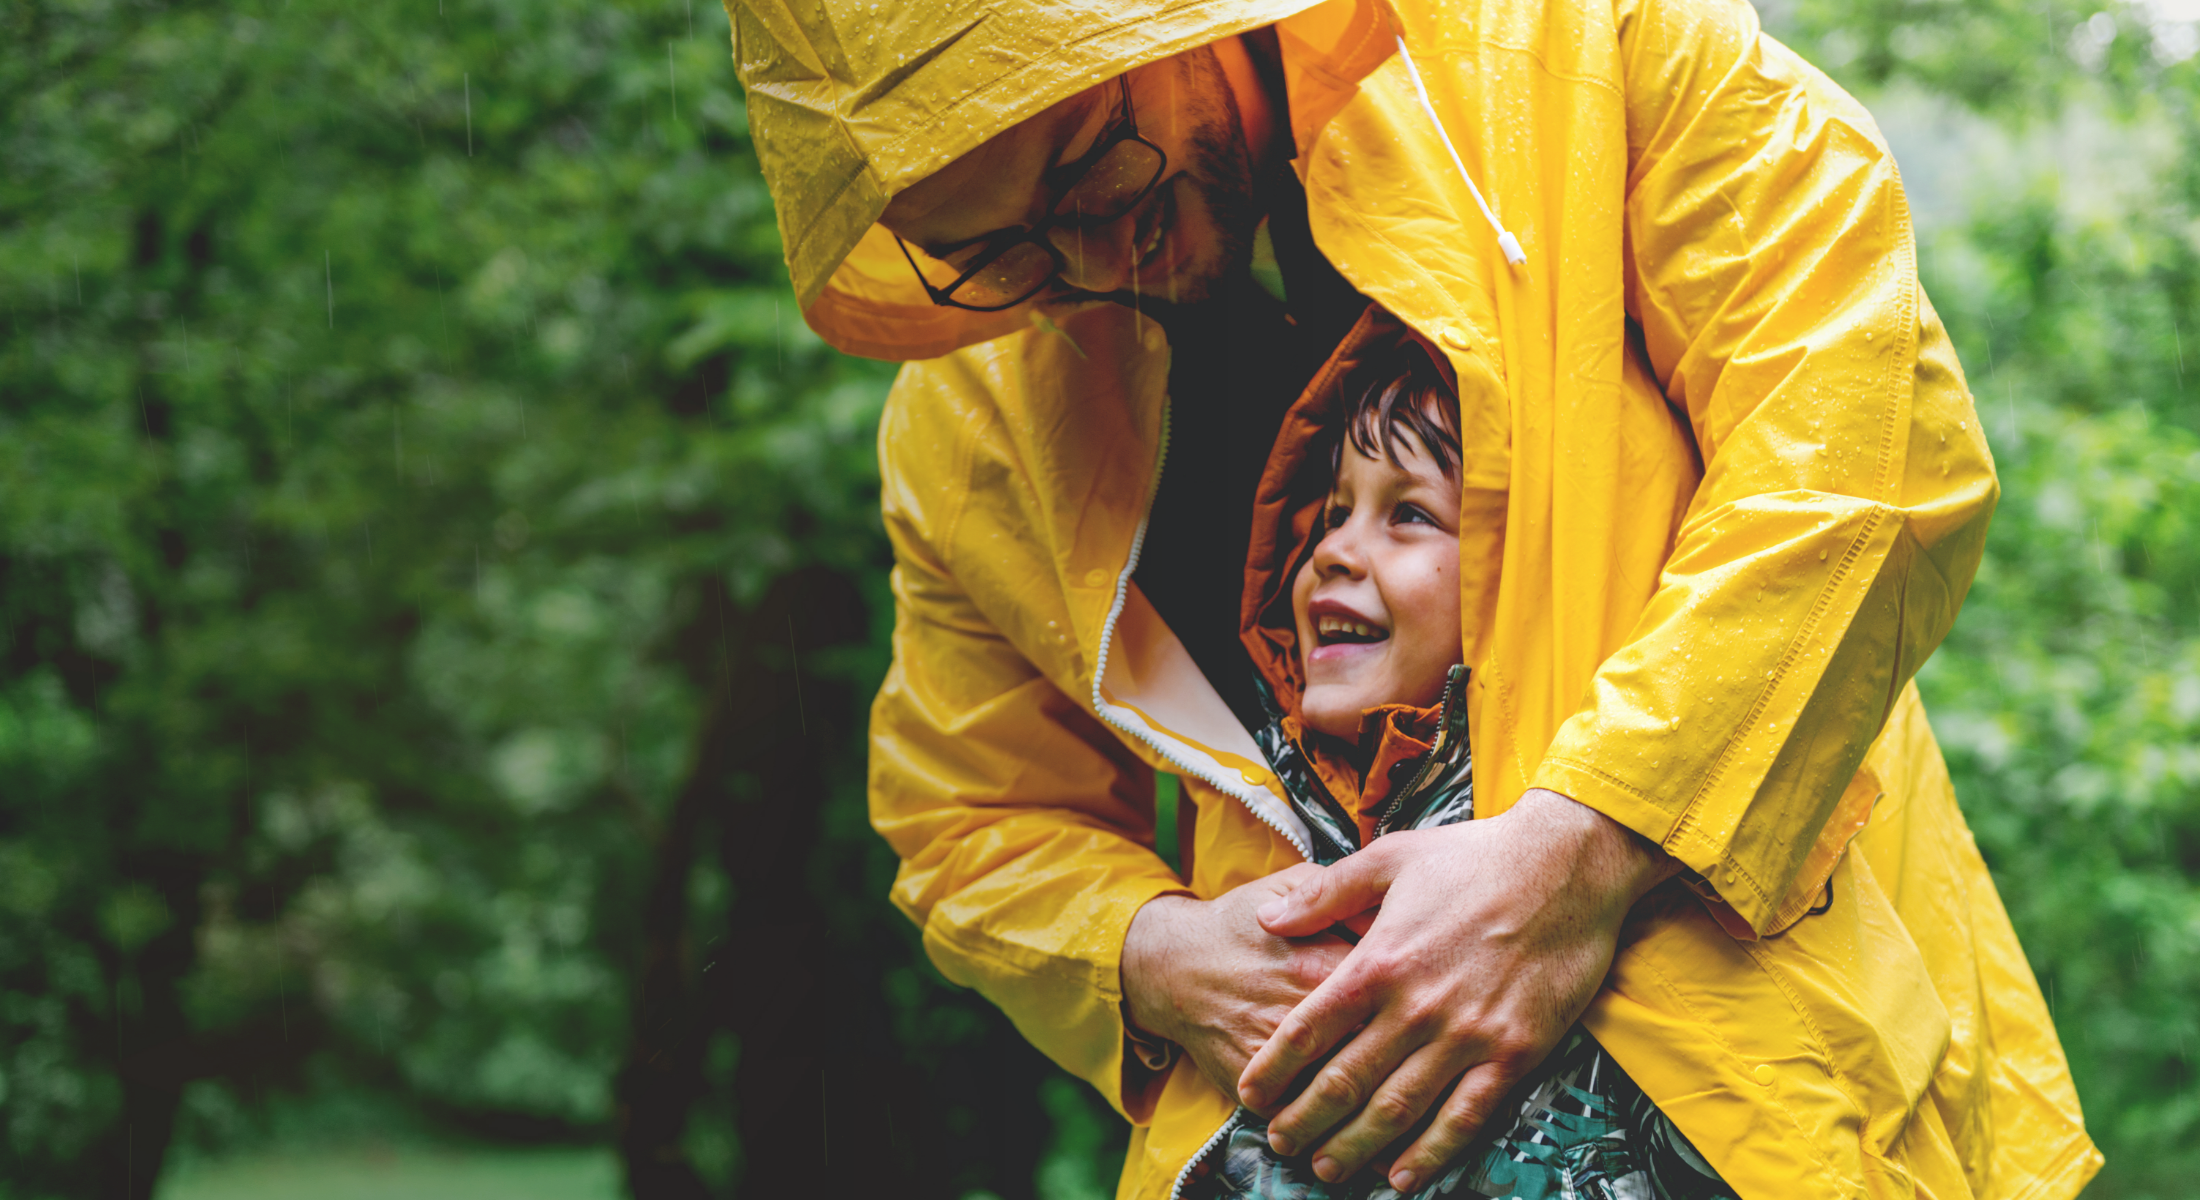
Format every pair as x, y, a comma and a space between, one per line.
1726, 490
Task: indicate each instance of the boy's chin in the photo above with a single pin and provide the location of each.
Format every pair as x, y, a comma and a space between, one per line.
1336, 716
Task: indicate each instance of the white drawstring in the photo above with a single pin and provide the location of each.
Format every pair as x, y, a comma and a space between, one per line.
1505, 240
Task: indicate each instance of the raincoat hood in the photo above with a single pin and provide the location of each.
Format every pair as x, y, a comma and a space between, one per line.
850, 102
1295, 487
1357, 782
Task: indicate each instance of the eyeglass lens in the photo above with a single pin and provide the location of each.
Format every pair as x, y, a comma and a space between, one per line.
1112, 186
1108, 191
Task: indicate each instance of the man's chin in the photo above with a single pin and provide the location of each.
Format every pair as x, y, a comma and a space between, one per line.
1187, 289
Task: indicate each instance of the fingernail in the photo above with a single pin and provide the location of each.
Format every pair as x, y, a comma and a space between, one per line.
1326, 1167
1268, 913
1281, 1144
1401, 1181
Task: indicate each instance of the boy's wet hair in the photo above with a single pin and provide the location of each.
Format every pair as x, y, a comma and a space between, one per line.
1413, 399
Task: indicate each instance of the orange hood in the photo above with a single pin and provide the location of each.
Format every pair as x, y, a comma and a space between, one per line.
1294, 488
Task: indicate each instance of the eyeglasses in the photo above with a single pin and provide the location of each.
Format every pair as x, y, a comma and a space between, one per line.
1015, 264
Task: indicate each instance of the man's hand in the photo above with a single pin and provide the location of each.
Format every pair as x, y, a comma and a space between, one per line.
1203, 974
1492, 938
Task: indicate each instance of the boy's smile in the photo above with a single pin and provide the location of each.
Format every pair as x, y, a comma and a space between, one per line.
1337, 624
1377, 605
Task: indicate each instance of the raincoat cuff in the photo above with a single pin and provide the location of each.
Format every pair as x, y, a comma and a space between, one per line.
1747, 911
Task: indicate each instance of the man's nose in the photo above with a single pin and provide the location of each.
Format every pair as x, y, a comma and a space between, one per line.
1100, 260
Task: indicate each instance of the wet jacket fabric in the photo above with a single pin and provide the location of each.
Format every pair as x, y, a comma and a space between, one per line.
1725, 491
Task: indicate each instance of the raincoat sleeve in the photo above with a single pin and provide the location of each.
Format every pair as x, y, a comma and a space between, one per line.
1846, 481
1024, 828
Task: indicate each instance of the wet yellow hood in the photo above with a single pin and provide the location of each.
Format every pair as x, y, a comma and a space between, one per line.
852, 101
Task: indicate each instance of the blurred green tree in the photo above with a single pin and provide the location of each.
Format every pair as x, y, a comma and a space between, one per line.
420, 509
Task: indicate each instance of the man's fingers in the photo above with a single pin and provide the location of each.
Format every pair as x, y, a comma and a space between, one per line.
1339, 891
1305, 1034
1472, 1105
1396, 1106
1341, 1088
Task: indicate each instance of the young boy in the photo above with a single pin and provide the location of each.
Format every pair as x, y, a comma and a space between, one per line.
1352, 616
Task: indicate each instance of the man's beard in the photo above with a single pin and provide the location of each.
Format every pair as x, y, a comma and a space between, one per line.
1221, 172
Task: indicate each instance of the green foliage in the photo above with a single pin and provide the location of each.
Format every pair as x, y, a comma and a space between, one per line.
381, 385
2064, 254
378, 1174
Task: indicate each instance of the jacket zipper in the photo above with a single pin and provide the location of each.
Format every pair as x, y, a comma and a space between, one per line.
1176, 1190
1451, 695
1105, 710
1428, 765
1107, 641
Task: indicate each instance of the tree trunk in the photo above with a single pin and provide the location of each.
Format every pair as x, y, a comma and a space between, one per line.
758, 773
152, 1050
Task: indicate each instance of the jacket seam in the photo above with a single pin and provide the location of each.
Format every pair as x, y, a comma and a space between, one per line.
1904, 353
1495, 680
2075, 1153
1373, 32
1840, 1077
1607, 85
1450, 46
1602, 775
959, 469
1690, 819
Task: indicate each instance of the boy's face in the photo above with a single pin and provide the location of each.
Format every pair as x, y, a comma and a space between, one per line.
1377, 605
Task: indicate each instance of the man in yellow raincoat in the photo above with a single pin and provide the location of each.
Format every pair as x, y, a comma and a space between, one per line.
1724, 492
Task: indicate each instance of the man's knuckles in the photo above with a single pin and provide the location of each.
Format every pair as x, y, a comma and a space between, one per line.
1310, 969
1375, 969
1298, 1039
1392, 1112
1327, 1100
1449, 1134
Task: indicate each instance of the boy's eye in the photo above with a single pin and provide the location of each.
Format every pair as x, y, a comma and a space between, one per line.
1406, 514
1335, 517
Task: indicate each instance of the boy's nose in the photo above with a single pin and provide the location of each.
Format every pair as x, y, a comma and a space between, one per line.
1339, 553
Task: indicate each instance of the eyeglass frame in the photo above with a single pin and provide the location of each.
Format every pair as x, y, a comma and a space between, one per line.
1001, 241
